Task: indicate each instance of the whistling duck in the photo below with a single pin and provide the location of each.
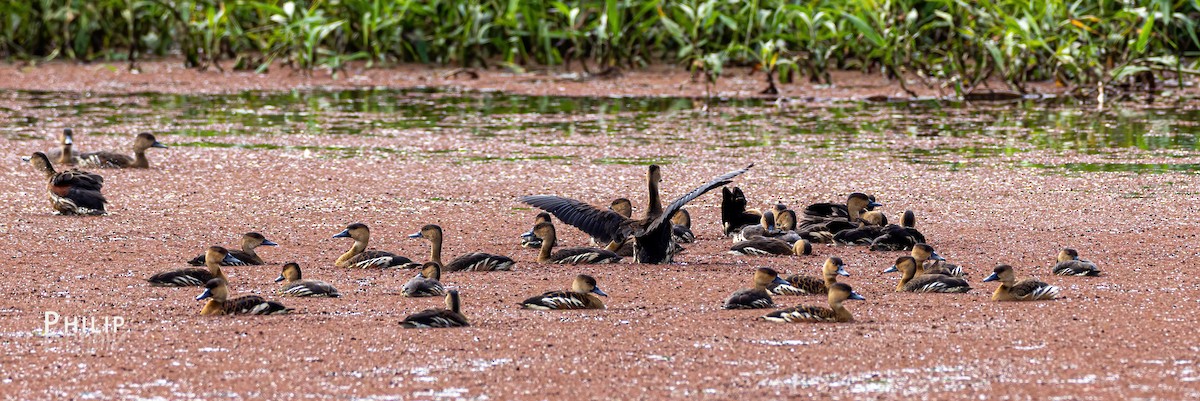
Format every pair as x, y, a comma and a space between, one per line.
583, 295
194, 277
246, 255
64, 154
438, 318
899, 238
762, 246
824, 220
911, 282
217, 293
764, 228
809, 285
359, 257
297, 287
623, 207
106, 159
734, 215
929, 262
72, 192
652, 234
756, 297
427, 282
838, 293
1026, 290
1069, 264
573, 256
475, 261
534, 241
870, 226
682, 230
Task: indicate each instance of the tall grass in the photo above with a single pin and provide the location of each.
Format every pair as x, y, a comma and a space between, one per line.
951, 44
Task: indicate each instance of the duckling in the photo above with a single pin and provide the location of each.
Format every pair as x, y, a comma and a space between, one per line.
929, 262
756, 297
1069, 264
64, 154
297, 287
359, 257
911, 282
654, 243
106, 159
250, 241
475, 261
214, 257
572, 256
533, 241
72, 192
583, 295
838, 293
806, 285
217, 293
427, 282
682, 230
1026, 290
438, 318
734, 215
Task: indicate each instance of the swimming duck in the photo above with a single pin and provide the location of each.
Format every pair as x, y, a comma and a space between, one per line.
359, 257
572, 256
427, 282
106, 159
652, 234
72, 192
583, 295
194, 277
838, 293
297, 287
734, 215
475, 261
912, 282
756, 297
247, 256
64, 154
929, 262
1069, 264
534, 241
898, 238
438, 318
1026, 290
217, 293
809, 285
682, 230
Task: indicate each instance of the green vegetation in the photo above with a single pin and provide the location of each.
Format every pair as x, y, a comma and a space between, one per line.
954, 44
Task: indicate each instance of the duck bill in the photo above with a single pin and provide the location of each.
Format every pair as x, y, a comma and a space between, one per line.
280, 278
856, 297
343, 234
528, 235
874, 204
26, 158
206, 294
158, 144
230, 260
779, 281
67, 140
414, 235
268, 242
992, 277
841, 271
892, 269
935, 256
597, 291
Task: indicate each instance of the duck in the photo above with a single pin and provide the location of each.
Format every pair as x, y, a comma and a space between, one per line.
623, 207
584, 294
438, 318
195, 277
654, 243
809, 285
929, 262
533, 241
475, 261
901, 237
246, 255
762, 246
107, 159
682, 229
824, 220
785, 222
64, 154
573, 256
756, 297
1069, 264
734, 215
836, 313
765, 228
217, 293
1026, 290
427, 282
912, 282
71, 192
360, 258
294, 286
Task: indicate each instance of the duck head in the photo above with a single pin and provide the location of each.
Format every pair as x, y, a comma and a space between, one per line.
785, 220
253, 240
622, 206
40, 162
1002, 273
841, 291
216, 289
1068, 254
835, 266
585, 284
430, 232
145, 141
357, 231
924, 252
682, 218
291, 272
802, 247
904, 265
216, 254
764, 276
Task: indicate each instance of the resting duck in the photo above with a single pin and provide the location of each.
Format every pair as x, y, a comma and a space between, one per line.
573, 256
734, 215
427, 282
652, 234
929, 262
824, 220
535, 242
911, 282
247, 256
623, 207
762, 246
756, 297
217, 293
898, 238
1026, 290
438, 318
297, 287
765, 228
838, 293
64, 154
475, 261
785, 222
72, 192
1069, 264
682, 230
195, 277
809, 285
106, 159
583, 295
360, 258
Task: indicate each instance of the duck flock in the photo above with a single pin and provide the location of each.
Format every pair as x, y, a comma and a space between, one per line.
616, 234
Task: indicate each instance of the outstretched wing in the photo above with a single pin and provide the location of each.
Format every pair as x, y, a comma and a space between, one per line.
678, 203
605, 225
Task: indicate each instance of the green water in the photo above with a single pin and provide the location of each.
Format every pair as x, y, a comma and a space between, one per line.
958, 135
